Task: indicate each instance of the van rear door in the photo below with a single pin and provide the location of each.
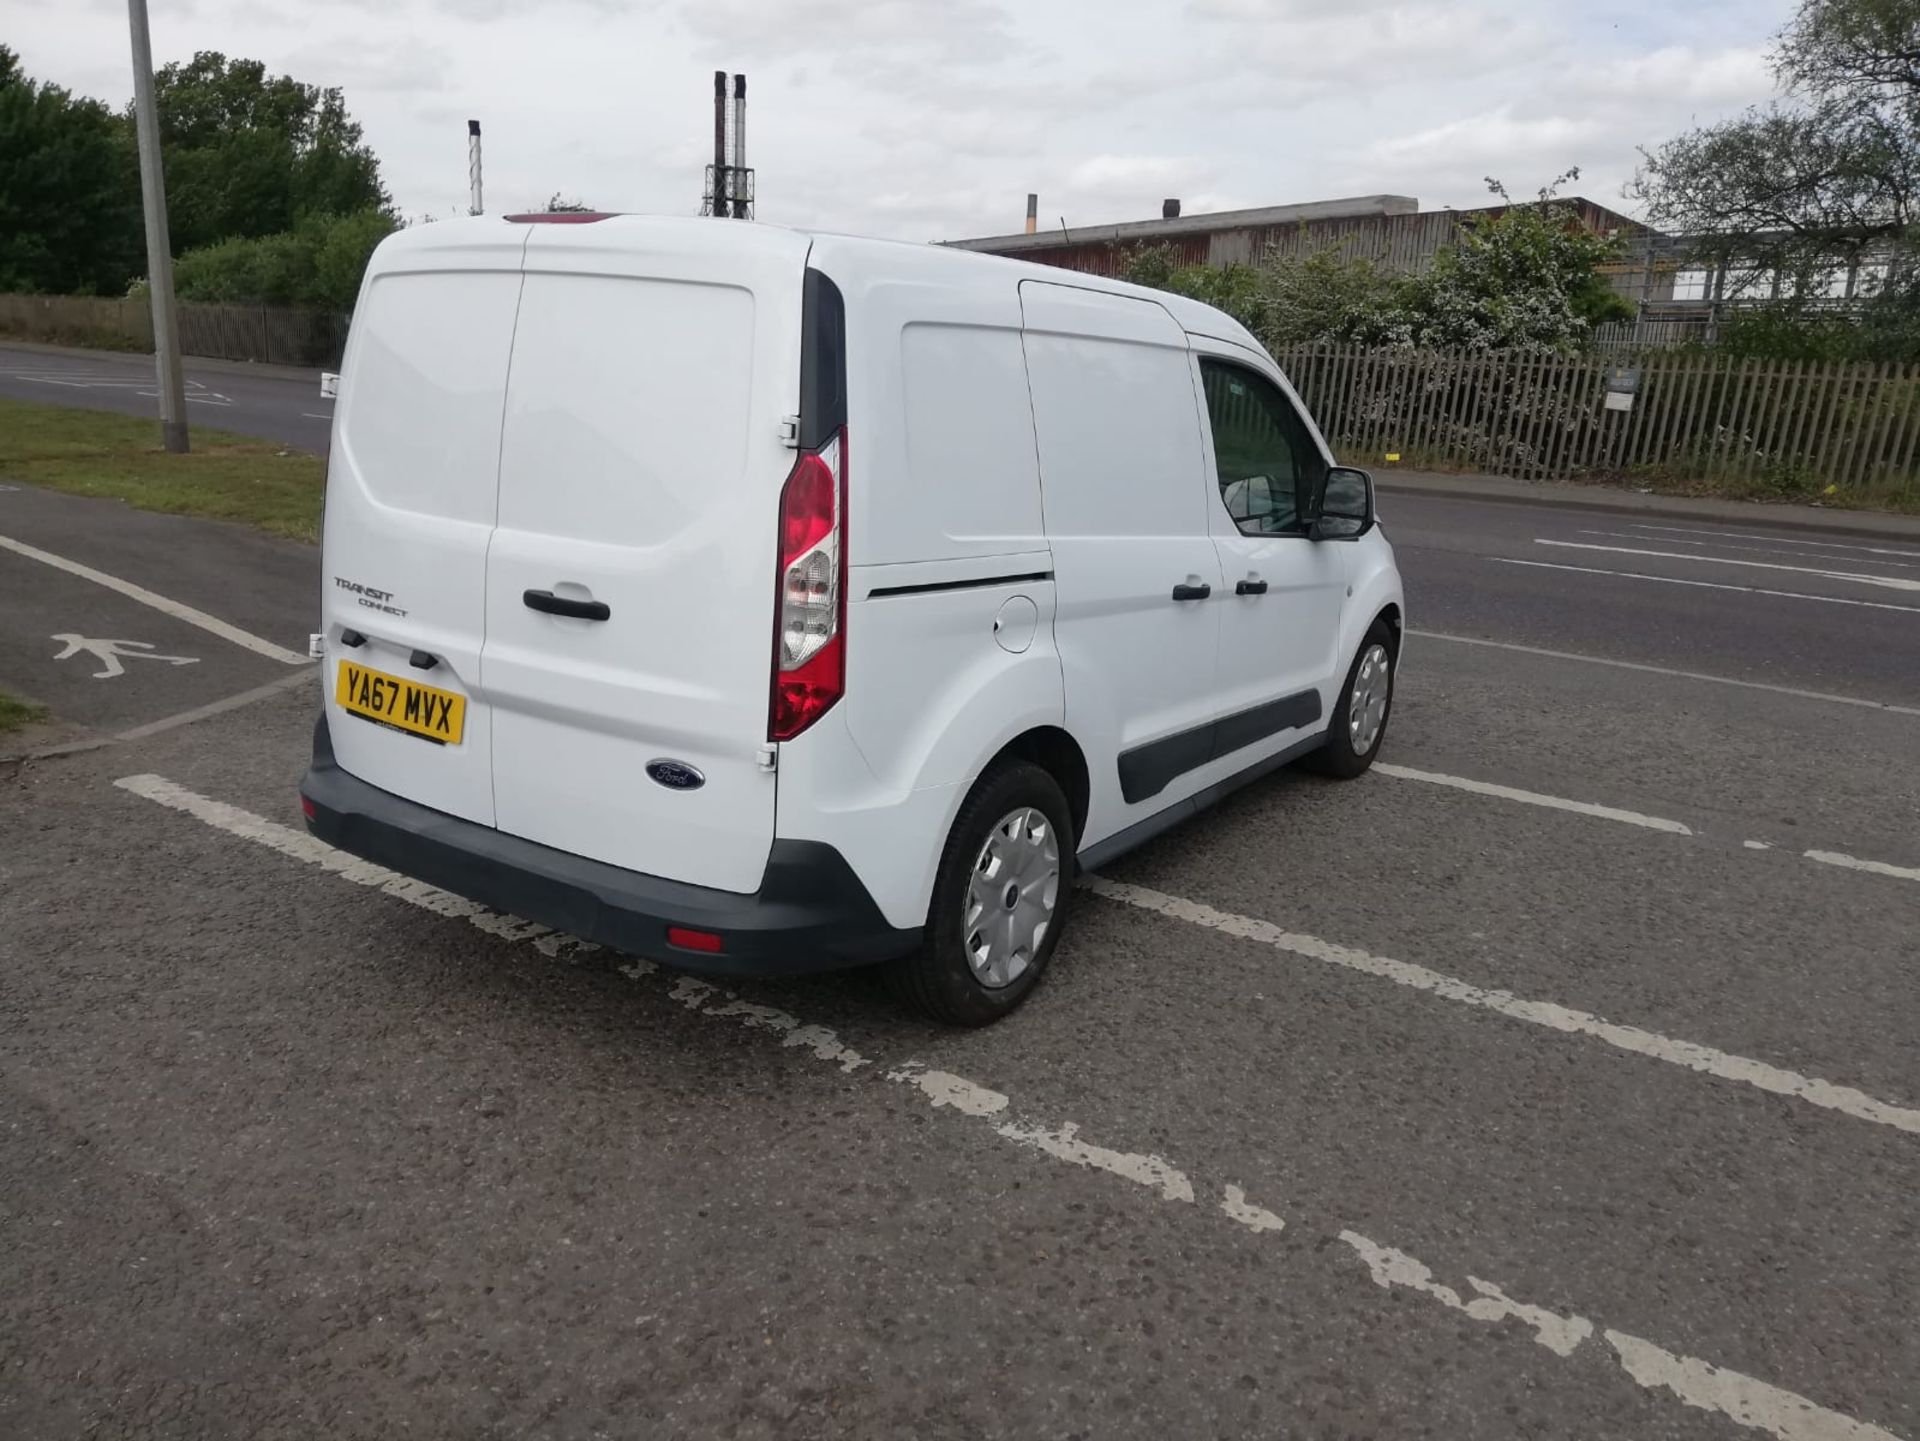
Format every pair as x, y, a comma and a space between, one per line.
412, 481
631, 585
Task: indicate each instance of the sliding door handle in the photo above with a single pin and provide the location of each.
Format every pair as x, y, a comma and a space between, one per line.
1192, 592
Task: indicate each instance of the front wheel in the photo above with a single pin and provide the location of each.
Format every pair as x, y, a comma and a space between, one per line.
1360, 714
1000, 899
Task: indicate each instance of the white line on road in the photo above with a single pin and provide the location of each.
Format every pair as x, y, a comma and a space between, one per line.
1686, 1054
1706, 584
311, 415
1750, 549
1891, 582
1739, 1398
212, 624
1535, 798
1854, 863
1818, 695
1779, 540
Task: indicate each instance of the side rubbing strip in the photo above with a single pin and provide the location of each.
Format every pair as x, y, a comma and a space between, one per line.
1147, 770
979, 584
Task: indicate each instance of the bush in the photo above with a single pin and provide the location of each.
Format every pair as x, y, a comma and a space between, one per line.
318, 263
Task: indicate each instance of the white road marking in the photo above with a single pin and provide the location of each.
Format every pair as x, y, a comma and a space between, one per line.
1255, 1218
1561, 1335
310, 415
109, 654
1818, 695
1686, 1054
1535, 798
1722, 545
1854, 863
1891, 582
1743, 1399
1063, 1143
1756, 845
212, 624
1781, 540
1706, 584
1751, 1403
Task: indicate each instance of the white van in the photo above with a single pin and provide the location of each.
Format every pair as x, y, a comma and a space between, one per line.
760, 602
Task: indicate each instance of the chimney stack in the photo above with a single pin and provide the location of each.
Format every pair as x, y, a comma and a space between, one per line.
1033, 212
719, 142
473, 167
1169, 209
739, 147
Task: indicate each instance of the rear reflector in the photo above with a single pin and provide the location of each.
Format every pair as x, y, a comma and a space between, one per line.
307, 808
688, 940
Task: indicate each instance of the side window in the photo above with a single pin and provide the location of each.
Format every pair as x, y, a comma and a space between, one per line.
1268, 465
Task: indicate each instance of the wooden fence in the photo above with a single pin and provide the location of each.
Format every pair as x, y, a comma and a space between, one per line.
275, 335
1790, 427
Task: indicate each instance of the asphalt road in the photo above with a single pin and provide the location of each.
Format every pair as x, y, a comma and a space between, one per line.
273, 402
1558, 1078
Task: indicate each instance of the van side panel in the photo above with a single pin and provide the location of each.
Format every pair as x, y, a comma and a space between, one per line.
1122, 475
412, 485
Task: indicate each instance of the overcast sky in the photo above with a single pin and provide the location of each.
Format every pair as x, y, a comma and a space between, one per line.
931, 119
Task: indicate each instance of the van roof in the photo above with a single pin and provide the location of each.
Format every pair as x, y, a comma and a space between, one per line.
475, 236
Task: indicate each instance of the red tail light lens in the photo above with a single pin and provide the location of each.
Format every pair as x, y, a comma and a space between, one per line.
691, 940
809, 647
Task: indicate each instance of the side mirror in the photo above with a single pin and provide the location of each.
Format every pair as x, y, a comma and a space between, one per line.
1346, 506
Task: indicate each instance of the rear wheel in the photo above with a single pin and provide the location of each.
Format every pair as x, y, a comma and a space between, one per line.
1000, 898
1360, 714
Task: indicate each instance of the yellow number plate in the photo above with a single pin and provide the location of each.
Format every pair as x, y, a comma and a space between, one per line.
421, 710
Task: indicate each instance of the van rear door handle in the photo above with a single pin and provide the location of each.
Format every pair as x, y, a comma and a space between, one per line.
1251, 587
1192, 592
551, 604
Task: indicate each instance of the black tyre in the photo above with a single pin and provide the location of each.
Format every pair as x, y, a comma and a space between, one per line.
1360, 715
1000, 900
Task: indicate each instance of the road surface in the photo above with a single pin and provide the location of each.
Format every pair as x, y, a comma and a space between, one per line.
274, 402
1558, 1078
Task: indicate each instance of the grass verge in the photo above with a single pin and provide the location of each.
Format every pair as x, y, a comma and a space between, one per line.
17, 714
224, 476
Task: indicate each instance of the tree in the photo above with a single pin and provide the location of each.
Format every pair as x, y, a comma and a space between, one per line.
69, 192
250, 154
1831, 170
1523, 277
1520, 277
317, 263
557, 204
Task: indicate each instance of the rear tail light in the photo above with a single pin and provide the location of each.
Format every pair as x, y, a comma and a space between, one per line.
809, 641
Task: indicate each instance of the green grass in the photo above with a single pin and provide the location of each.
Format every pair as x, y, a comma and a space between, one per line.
223, 477
15, 714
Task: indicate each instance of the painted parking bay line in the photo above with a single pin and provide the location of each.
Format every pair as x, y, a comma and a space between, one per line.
1689, 1055
1535, 798
1631, 818
1737, 1397
209, 623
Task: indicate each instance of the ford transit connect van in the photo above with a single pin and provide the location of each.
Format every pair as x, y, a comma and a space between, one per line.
758, 601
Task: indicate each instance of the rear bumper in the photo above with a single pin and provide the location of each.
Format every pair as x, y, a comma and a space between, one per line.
811, 912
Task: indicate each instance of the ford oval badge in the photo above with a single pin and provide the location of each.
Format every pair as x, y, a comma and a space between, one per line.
676, 775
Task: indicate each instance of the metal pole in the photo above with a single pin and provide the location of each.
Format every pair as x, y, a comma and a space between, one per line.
720, 143
153, 191
473, 167
739, 147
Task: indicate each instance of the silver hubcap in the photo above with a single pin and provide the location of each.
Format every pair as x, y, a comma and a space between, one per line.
1367, 707
1010, 897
